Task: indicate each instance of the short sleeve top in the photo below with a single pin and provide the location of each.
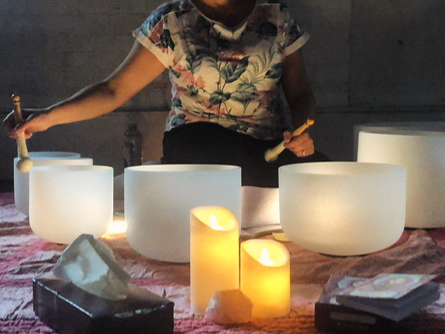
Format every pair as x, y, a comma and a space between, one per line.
227, 75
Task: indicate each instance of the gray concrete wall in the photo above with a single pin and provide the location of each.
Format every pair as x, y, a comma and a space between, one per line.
368, 61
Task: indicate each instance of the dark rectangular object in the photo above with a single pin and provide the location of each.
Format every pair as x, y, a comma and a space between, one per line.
338, 318
69, 310
330, 316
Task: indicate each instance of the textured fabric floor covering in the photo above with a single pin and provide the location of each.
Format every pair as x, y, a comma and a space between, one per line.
24, 255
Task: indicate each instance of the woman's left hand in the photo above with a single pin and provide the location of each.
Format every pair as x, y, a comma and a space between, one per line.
301, 145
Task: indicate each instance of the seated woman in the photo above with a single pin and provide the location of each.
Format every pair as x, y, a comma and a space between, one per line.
228, 61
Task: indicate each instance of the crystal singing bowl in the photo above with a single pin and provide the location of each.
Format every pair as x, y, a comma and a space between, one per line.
66, 201
158, 200
342, 208
21, 179
422, 153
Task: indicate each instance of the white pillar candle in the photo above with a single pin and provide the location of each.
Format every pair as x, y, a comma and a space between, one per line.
342, 208
21, 179
265, 277
158, 200
66, 201
422, 153
214, 254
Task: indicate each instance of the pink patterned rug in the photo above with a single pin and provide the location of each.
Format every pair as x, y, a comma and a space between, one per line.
23, 255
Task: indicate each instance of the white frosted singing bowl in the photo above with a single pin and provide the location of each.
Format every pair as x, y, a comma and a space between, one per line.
21, 179
342, 208
66, 201
158, 200
390, 127
422, 153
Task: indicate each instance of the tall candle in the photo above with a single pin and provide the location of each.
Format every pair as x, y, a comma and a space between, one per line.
214, 254
265, 277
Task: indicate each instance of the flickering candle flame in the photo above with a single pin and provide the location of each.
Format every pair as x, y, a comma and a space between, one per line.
265, 259
214, 223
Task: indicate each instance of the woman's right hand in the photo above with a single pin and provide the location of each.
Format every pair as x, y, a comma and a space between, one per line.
34, 120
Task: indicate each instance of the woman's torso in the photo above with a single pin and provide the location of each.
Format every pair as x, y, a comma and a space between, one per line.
226, 75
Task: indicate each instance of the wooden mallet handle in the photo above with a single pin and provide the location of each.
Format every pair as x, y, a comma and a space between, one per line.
25, 163
273, 153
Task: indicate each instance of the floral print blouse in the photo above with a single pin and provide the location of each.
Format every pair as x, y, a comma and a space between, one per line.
227, 75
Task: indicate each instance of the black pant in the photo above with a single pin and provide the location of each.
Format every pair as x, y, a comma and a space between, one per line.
210, 143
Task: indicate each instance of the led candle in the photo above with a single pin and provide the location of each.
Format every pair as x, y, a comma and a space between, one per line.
214, 254
265, 277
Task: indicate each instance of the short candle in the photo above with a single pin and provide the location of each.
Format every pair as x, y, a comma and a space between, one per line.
214, 254
265, 277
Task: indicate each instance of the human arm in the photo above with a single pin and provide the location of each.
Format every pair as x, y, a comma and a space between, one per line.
301, 101
139, 68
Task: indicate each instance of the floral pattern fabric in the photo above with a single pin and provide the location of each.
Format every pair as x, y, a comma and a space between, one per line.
227, 75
